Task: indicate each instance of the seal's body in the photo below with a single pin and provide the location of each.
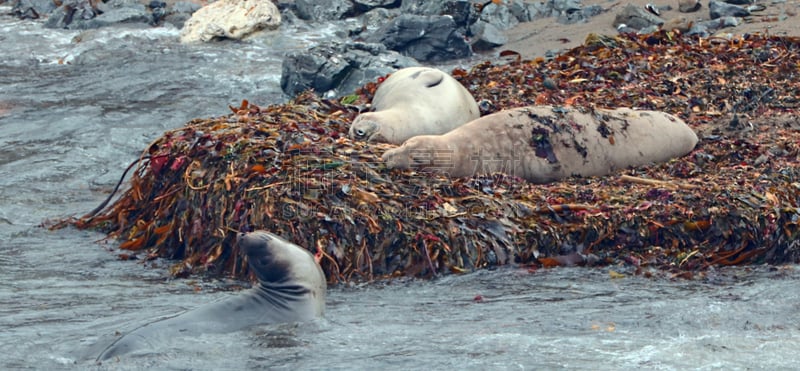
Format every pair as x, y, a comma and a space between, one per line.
291, 288
543, 143
415, 101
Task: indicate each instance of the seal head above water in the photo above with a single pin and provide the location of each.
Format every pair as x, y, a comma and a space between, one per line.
291, 288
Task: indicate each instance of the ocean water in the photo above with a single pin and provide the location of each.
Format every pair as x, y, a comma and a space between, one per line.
77, 107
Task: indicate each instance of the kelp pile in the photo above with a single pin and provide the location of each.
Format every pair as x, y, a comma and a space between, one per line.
290, 169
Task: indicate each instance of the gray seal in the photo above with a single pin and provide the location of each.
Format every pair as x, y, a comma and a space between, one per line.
291, 288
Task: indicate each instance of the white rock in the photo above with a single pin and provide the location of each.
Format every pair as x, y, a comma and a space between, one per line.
233, 19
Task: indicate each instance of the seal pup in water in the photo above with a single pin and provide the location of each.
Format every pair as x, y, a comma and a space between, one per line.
415, 101
291, 288
544, 143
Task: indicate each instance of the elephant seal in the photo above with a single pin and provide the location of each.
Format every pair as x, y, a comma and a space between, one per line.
544, 143
415, 101
291, 288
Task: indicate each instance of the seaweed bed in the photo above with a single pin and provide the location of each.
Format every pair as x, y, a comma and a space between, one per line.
290, 169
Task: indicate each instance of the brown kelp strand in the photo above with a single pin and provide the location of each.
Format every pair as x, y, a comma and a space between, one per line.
290, 169
694, 78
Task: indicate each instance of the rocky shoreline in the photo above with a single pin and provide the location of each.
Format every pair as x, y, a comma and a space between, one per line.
376, 37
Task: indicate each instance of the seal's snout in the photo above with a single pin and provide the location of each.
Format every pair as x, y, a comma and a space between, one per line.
363, 128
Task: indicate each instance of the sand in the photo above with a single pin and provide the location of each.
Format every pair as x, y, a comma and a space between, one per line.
534, 39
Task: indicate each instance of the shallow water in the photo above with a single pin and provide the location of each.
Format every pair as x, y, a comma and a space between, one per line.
68, 130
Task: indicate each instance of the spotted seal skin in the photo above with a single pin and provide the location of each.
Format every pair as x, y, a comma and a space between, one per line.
291, 288
544, 143
415, 101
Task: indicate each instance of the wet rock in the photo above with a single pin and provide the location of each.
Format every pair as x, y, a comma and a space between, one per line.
232, 19
362, 6
486, 36
498, 16
422, 7
117, 12
32, 9
84, 14
324, 10
337, 68
689, 6
463, 12
424, 38
717, 9
375, 19
71, 14
637, 18
180, 12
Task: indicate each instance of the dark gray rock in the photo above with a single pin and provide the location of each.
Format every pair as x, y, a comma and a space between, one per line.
571, 11
561, 7
70, 14
539, 10
376, 18
180, 12
717, 9
499, 16
324, 10
719, 23
422, 7
424, 38
486, 36
158, 10
81, 15
520, 10
32, 9
699, 30
335, 68
689, 6
284, 4
637, 18
362, 6
463, 12
131, 14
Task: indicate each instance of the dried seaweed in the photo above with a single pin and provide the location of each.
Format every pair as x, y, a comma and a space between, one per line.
290, 169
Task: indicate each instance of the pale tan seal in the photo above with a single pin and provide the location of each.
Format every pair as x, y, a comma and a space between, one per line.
415, 101
291, 288
543, 143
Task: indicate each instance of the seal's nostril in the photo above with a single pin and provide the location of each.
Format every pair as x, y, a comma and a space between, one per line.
359, 132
